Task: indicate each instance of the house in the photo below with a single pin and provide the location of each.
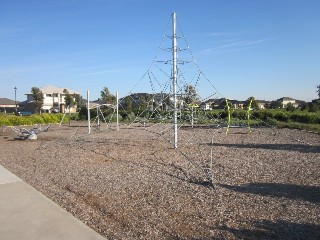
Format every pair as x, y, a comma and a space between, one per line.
8, 105
205, 106
238, 104
286, 100
221, 103
54, 100
263, 104
216, 103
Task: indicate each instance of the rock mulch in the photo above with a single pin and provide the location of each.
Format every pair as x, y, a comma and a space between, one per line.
132, 184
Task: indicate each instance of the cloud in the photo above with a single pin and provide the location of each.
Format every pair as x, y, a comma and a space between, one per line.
237, 44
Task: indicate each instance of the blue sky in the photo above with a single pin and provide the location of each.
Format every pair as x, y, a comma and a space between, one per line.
266, 49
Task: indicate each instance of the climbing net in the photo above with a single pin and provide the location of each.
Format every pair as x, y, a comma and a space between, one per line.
149, 107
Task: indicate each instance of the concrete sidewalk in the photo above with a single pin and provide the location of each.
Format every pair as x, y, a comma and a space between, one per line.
27, 214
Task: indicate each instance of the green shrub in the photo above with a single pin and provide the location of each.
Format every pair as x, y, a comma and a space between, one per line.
282, 116
311, 118
242, 114
12, 120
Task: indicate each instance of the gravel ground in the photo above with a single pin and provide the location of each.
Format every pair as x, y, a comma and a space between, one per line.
132, 184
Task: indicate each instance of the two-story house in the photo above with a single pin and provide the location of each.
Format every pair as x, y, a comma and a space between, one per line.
54, 100
286, 100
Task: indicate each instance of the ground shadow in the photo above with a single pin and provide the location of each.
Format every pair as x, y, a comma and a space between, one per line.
178, 173
287, 147
306, 193
276, 230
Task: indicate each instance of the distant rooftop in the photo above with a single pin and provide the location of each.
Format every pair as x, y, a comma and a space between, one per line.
287, 99
50, 89
6, 101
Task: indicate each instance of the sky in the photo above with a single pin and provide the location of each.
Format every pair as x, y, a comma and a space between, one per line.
266, 49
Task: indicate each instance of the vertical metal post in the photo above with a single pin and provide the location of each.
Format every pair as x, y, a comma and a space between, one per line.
15, 99
98, 118
192, 121
174, 80
69, 115
88, 108
117, 108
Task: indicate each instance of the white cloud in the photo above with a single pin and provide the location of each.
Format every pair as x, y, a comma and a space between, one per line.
237, 44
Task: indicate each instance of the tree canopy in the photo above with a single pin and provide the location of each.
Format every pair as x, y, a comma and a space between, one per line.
128, 103
38, 98
254, 103
276, 104
107, 97
68, 99
191, 95
78, 100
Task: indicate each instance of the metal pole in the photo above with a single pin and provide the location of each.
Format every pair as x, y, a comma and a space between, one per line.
88, 108
117, 108
69, 115
15, 98
174, 80
98, 117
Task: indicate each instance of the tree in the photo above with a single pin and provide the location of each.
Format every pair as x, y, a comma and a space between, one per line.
167, 103
303, 105
78, 100
191, 95
314, 106
318, 90
38, 98
107, 97
128, 103
68, 99
275, 104
290, 107
254, 103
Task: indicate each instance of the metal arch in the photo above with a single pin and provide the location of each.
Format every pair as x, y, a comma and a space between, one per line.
105, 104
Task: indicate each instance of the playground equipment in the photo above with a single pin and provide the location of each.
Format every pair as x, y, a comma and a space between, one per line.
31, 134
100, 113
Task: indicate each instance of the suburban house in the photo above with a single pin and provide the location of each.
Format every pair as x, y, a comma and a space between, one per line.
286, 100
220, 103
8, 105
205, 106
263, 104
54, 100
238, 104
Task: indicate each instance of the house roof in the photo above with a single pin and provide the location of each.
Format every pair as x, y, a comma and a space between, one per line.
50, 89
287, 99
6, 101
263, 101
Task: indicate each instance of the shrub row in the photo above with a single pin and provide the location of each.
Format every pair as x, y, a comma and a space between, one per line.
12, 120
266, 115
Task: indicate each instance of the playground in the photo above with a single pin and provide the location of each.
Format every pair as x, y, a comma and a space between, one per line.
133, 184
182, 175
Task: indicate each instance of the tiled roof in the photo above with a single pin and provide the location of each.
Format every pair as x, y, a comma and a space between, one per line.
287, 99
50, 89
